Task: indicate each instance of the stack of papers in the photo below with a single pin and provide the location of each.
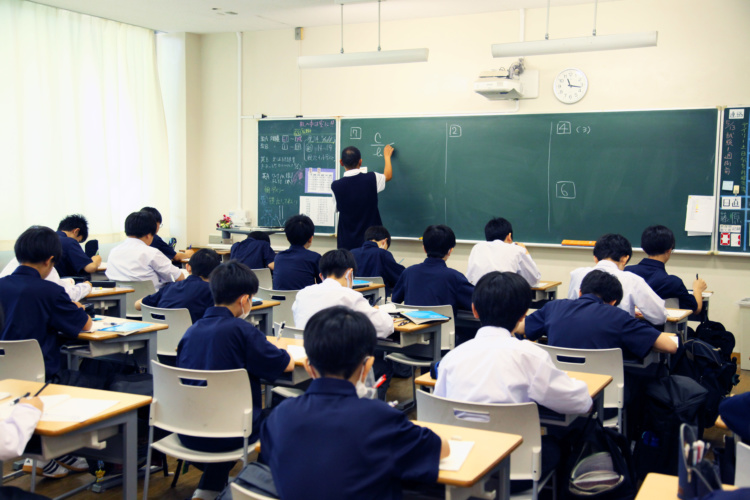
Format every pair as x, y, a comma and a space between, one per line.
699, 216
459, 453
123, 329
63, 408
297, 352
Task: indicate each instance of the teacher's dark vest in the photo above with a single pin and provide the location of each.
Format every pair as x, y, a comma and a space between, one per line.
357, 203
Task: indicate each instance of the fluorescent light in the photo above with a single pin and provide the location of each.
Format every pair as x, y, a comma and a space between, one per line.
363, 58
582, 44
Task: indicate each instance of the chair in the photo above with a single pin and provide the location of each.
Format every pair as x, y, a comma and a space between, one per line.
240, 493
220, 408
22, 360
600, 361
178, 321
742, 469
142, 289
521, 418
283, 312
375, 280
264, 277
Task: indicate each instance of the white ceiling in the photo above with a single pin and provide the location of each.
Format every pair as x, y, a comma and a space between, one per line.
209, 16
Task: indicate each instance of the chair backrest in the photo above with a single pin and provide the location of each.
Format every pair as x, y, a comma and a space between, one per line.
240, 493
601, 361
376, 280
142, 289
288, 332
672, 303
521, 418
178, 320
283, 312
22, 360
742, 469
447, 329
264, 278
221, 407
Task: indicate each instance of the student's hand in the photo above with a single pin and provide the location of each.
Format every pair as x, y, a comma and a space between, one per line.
281, 343
79, 304
387, 151
35, 402
699, 285
189, 253
97, 259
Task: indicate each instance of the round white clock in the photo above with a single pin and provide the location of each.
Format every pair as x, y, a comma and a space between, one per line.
570, 85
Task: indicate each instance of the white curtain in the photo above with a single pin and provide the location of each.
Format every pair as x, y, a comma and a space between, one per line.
82, 126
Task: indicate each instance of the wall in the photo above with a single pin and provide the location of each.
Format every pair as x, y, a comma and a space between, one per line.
696, 64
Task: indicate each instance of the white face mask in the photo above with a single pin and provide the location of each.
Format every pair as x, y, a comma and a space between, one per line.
362, 390
244, 314
349, 280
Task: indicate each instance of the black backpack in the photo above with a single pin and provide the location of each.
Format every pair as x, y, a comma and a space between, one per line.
715, 334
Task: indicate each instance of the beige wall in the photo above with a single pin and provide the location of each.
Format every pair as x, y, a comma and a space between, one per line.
701, 61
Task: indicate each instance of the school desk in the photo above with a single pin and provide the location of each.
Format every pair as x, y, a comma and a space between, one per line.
142, 345
545, 290
299, 374
662, 487
111, 299
226, 233
99, 275
263, 314
60, 438
414, 340
373, 291
677, 322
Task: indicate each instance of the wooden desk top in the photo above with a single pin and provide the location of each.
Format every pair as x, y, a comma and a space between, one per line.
299, 342
106, 292
720, 423
102, 267
410, 327
109, 321
677, 315
490, 448
266, 304
374, 286
662, 487
126, 403
545, 285
220, 252
595, 382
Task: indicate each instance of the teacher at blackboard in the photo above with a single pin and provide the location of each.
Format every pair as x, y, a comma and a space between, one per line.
356, 197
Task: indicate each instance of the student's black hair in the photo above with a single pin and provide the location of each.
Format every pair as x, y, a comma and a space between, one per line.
501, 299
334, 263
337, 340
140, 224
230, 281
657, 240
497, 229
603, 285
203, 262
438, 240
36, 245
73, 222
377, 233
154, 212
350, 157
299, 229
260, 236
612, 246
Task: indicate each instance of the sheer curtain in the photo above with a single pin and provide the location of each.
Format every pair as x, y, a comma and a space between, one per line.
82, 127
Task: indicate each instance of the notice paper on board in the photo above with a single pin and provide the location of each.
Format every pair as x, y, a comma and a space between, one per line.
700, 215
318, 208
318, 180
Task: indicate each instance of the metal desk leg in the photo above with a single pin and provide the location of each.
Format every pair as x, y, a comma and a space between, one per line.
130, 458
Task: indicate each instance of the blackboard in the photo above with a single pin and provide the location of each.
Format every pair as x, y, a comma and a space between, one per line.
554, 176
292, 156
733, 176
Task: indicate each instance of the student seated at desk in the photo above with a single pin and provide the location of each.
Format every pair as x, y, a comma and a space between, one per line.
223, 340
611, 253
254, 251
135, 260
501, 253
162, 245
76, 291
496, 367
658, 243
329, 443
193, 293
297, 267
433, 283
74, 230
594, 322
734, 412
374, 259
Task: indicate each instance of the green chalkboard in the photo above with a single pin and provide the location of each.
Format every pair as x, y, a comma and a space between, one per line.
554, 176
296, 161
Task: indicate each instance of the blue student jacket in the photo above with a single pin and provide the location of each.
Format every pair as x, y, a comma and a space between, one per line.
734, 412
255, 254
433, 283
38, 309
295, 268
589, 323
73, 258
665, 285
163, 247
192, 294
374, 261
362, 448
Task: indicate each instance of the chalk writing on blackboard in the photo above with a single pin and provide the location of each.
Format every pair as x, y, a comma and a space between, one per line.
563, 128
566, 190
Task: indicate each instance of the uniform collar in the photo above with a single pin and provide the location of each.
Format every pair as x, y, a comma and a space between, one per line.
136, 241
297, 248
193, 277
370, 244
330, 282
22, 270
591, 298
62, 234
352, 172
652, 263
493, 332
434, 261
218, 312
327, 385
606, 264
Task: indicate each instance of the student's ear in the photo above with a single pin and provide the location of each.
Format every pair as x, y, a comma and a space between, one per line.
509, 238
322, 278
341, 162
612, 302
579, 292
519, 321
623, 262
448, 255
474, 310
368, 366
188, 268
423, 248
76, 232
310, 370
149, 239
360, 163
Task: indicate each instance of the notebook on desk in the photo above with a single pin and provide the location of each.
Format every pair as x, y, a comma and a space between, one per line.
125, 328
422, 317
361, 283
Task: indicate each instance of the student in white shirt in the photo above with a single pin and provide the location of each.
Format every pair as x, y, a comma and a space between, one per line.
17, 428
135, 260
76, 291
501, 253
611, 253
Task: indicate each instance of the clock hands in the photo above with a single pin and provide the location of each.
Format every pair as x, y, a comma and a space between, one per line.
570, 85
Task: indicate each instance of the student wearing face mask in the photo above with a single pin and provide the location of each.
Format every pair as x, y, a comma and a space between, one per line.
223, 340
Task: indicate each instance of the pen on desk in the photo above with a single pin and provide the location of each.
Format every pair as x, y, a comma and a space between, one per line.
40, 390
377, 300
380, 381
19, 398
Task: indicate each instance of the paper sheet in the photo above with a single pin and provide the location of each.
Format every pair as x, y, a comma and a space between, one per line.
459, 453
76, 410
318, 180
700, 215
296, 352
318, 208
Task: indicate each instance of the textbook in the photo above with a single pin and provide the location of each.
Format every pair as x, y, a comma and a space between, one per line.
360, 283
125, 328
257, 302
421, 317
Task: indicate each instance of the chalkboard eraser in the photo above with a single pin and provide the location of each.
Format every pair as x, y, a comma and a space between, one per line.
578, 243
298, 116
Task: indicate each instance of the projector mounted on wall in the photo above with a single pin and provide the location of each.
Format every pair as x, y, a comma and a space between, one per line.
514, 83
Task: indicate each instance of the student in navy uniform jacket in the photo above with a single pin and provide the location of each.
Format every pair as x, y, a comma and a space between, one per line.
356, 197
374, 259
74, 230
734, 412
658, 243
297, 267
254, 251
162, 245
433, 283
363, 448
224, 340
192, 293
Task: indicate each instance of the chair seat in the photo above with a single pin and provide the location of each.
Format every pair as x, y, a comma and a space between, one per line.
172, 446
408, 360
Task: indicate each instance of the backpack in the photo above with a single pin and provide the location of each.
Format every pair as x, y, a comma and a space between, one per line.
715, 334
